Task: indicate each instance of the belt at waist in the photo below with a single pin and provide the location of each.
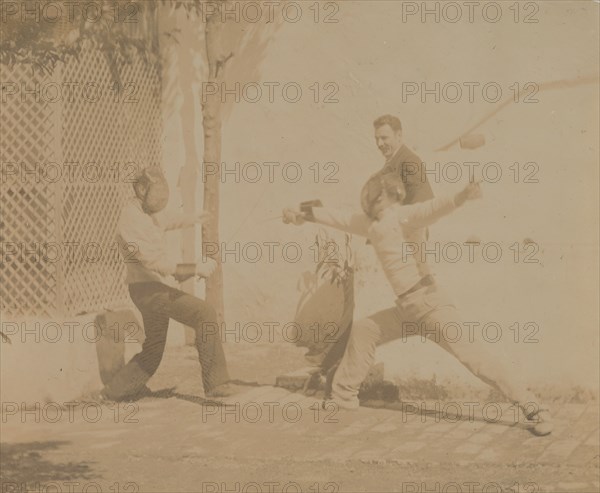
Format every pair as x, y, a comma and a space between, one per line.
425, 281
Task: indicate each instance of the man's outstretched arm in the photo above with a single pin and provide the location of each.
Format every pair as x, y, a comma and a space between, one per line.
424, 214
173, 220
147, 246
350, 222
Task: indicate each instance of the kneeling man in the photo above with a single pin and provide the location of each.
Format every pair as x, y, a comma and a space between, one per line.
142, 239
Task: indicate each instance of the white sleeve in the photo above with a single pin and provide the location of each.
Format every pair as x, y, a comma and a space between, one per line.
145, 240
348, 221
176, 220
423, 214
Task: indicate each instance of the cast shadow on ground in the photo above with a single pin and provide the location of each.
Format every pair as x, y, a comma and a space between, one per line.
410, 411
386, 395
171, 392
407, 409
24, 466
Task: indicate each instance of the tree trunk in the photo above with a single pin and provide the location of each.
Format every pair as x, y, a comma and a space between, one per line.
211, 121
189, 173
210, 232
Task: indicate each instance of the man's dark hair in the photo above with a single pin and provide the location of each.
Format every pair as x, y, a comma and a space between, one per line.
393, 185
390, 120
389, 183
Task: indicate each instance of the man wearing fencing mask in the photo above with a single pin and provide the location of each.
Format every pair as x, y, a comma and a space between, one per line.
141, 235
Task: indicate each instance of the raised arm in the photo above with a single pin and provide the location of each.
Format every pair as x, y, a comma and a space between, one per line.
423, 214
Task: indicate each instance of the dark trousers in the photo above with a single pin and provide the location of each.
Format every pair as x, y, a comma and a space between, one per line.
158, 303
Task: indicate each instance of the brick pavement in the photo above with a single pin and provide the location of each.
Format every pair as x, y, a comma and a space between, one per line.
268, 423
177, 442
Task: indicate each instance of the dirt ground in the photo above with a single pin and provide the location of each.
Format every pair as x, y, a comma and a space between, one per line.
176, 442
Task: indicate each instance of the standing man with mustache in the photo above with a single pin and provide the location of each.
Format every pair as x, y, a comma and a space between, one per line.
399, 160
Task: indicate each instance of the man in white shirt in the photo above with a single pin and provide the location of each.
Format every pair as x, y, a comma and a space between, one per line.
422, 308
142, 239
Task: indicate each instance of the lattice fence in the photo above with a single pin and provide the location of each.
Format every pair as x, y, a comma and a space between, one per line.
98, 146
27, 285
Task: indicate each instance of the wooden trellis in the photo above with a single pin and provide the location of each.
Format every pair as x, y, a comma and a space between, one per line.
97, 145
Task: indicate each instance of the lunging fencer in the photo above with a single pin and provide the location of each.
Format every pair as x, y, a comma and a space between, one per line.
421, 306
141, 235
400, 160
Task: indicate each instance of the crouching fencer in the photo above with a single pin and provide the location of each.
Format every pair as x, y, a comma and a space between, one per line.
421, 306
141, 235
